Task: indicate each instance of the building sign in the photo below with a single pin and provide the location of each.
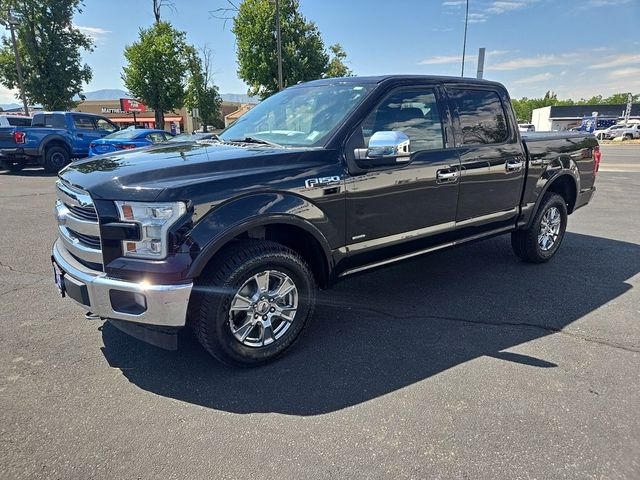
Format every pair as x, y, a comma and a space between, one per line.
129, 105
111, 110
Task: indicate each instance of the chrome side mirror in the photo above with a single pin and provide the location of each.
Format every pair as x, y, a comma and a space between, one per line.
388, 144
385, 148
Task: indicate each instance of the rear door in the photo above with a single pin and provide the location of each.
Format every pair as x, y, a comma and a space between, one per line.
492, 159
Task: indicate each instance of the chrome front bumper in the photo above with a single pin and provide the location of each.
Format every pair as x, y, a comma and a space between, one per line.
165, 305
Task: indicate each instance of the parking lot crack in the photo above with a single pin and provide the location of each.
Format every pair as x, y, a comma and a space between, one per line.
546, 328
15, 270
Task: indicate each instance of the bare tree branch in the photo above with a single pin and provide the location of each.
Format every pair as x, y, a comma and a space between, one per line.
225, 13
157, 6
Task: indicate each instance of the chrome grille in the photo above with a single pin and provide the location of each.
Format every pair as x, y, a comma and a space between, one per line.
78, 226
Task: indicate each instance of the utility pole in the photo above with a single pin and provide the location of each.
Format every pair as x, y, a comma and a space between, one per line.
11, 22
480, 72
279, 45
464, 43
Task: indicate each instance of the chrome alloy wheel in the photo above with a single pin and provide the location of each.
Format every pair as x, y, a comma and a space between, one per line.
263, 309
549, 229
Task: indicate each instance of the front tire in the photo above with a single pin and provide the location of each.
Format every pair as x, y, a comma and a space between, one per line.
253, 302
55, 158
541, 240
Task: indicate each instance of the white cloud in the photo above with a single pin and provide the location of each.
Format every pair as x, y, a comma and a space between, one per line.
8, 96
454, 3
607, 3
447, 59
501, 7
96, 33
537, 61
625, 72
541, 77
618, 61
477, 18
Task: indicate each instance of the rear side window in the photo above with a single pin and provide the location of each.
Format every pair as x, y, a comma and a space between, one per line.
82, 122
49, 121
19, 121
482, 116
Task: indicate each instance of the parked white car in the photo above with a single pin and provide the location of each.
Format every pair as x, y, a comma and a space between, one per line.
15, 121
631, 132
608, 133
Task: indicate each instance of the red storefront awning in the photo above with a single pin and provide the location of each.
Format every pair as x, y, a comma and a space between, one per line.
143, 119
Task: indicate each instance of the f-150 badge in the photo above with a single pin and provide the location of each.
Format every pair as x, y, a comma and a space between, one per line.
321, 181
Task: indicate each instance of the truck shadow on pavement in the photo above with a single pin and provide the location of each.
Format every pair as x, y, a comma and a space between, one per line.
387, 329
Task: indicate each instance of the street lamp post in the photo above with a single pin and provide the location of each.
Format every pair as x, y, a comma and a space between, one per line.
464, 42
279, 45
12, 22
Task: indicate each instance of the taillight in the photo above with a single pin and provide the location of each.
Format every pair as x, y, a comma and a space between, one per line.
124, 146
597, 155
92, 145
19, 137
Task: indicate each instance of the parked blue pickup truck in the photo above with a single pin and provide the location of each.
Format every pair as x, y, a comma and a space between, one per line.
52, 140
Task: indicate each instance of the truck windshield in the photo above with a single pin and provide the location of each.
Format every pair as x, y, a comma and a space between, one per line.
299, 116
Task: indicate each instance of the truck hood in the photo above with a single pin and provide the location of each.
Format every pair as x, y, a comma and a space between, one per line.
144, 174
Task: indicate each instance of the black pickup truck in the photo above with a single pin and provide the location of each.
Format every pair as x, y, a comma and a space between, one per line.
232, 236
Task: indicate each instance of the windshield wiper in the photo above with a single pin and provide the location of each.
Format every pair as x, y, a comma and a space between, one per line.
255, 140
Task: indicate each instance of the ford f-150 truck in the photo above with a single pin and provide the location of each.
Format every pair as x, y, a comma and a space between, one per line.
52, 140
231, 236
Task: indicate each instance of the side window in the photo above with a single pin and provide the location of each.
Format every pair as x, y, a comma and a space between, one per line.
411, 111
482, 116
155, 137
105, 126
82, 122
19, 121
49, 121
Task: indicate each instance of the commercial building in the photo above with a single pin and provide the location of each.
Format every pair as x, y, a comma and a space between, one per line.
564, 117
181, 120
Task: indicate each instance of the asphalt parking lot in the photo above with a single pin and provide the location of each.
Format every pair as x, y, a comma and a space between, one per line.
460, 364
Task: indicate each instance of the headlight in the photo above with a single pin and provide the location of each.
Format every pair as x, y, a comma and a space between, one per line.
155, 220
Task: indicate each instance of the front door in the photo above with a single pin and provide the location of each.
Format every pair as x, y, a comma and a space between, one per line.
409, 201
86, 133
492, 160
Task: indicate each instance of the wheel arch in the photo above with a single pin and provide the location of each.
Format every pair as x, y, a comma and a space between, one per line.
236, 221
564, 184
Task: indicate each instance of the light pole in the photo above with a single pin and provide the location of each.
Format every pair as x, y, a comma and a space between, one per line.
464, 42
12, 22
279, 45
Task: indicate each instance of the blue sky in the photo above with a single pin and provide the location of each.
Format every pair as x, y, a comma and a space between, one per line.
576, 48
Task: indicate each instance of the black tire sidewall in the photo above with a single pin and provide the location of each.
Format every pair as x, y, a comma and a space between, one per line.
553, 201
226, 347
49, 166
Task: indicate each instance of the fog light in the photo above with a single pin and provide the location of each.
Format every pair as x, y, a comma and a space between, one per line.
131, 303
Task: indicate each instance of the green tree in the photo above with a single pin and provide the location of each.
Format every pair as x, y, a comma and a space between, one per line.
49, 46
157, 67
202, 94
303, 54
336, 66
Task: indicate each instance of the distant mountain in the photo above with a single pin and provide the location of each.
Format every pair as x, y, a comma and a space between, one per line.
10, 106
106, 94
116, 93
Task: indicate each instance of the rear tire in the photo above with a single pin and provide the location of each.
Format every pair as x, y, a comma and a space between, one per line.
541, 240
12, 165
236, 311
55, 158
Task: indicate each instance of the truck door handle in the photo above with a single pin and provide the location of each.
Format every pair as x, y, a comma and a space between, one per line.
513, 166
444, 176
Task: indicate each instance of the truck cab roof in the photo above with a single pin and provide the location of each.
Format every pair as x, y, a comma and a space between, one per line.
378, 79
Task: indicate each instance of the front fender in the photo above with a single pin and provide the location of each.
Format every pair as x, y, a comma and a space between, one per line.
226, 221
